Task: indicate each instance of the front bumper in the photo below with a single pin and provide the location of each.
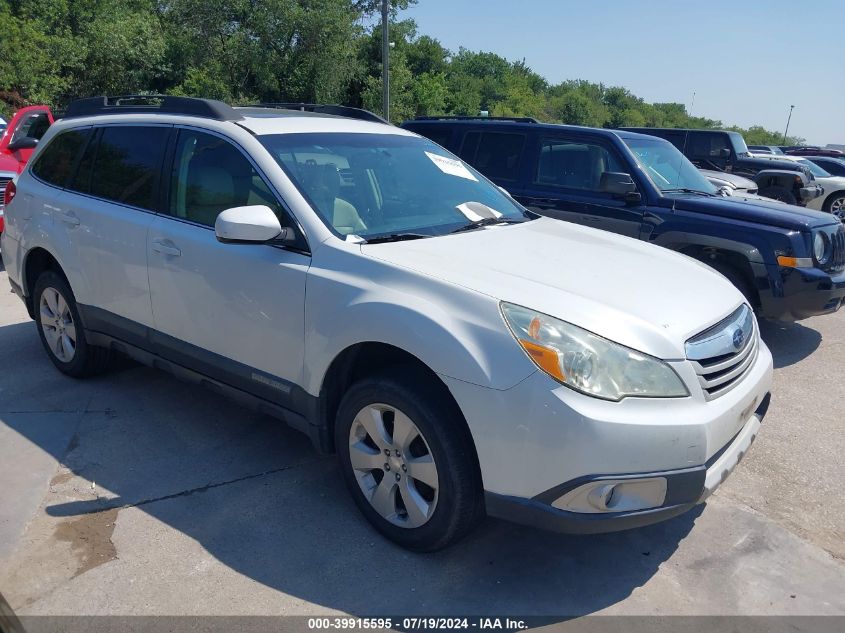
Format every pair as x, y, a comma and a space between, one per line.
685, 489
534, 436
800, 293
811, 192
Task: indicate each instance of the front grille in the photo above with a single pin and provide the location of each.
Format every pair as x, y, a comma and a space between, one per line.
837, 255
722, 354
3, 183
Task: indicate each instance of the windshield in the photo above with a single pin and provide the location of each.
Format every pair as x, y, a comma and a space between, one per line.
668, 168
740, 148
379, 184
817, 171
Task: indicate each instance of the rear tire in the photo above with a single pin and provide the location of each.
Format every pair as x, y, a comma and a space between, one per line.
60, 328
408, 460
779, 193
835, 205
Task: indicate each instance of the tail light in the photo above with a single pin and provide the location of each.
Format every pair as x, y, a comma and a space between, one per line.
9, 194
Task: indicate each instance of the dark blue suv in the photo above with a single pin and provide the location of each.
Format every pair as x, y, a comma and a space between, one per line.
788, 261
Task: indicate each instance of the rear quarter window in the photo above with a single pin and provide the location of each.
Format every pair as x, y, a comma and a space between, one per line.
495, 154
441, 135
55, 164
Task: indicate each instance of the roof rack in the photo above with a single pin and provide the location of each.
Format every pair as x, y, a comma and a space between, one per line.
454, 117
152, 104
336, 110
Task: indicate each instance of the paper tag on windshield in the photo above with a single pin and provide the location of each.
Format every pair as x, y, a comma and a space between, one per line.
451, 166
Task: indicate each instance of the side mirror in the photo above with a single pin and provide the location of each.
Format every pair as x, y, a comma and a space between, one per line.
724, 153
26, 142
619, 184
253, 224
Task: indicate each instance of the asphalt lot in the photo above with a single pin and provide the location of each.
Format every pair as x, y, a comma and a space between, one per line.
135, 494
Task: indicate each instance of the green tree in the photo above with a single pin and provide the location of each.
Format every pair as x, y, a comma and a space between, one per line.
245, 51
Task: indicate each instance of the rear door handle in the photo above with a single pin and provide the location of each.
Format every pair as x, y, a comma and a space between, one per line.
166, 247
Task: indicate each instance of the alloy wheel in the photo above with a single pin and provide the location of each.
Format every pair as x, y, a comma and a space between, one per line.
393, 465
837, 208
57, 324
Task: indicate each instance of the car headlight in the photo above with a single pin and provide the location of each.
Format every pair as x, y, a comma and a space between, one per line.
589, 363
821, 248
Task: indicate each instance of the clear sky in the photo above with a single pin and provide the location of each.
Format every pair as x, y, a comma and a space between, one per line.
747, 61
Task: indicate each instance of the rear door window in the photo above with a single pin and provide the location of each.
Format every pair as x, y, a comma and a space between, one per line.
56, 162
441, 135
494, 154
127, 164
706, 146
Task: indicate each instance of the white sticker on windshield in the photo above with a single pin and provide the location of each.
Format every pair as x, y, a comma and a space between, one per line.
451, 166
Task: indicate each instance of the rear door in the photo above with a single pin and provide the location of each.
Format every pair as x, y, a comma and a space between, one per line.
566, 183
106, 212
705, 150
235, 312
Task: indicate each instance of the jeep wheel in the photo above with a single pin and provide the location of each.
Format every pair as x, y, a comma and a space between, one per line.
60, 329
407, 459
736, 278
835, 204
779, 193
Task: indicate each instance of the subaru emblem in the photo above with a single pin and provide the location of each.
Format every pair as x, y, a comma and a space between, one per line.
739, 337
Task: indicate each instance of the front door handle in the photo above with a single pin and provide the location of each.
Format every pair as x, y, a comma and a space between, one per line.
166, 247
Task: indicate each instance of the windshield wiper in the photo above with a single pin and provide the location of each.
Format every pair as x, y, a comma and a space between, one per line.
476, 224
687, 190
394, 237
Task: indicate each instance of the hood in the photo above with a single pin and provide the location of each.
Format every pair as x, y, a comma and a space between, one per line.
757, 210
774, 162
737, 182
640, 295
9, 163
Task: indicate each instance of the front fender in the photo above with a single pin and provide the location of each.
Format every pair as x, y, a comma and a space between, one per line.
456, 332
679, 240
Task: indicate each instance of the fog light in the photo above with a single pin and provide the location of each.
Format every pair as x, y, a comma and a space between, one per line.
614, 495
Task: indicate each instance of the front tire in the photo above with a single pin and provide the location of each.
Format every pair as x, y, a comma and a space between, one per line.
408, 461
835, 205
60, 328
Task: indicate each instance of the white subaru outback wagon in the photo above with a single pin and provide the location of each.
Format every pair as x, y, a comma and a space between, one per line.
460, 355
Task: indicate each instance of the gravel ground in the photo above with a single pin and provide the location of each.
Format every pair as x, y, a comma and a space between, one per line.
134, 494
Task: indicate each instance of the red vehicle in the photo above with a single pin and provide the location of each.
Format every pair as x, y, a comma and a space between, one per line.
812, 150
17, 144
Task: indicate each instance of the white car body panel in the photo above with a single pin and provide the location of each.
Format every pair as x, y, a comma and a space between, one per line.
832, 185
241, 301
290, 315
597, 280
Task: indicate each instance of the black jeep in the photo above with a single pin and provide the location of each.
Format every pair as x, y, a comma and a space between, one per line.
789, 262
724, 151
